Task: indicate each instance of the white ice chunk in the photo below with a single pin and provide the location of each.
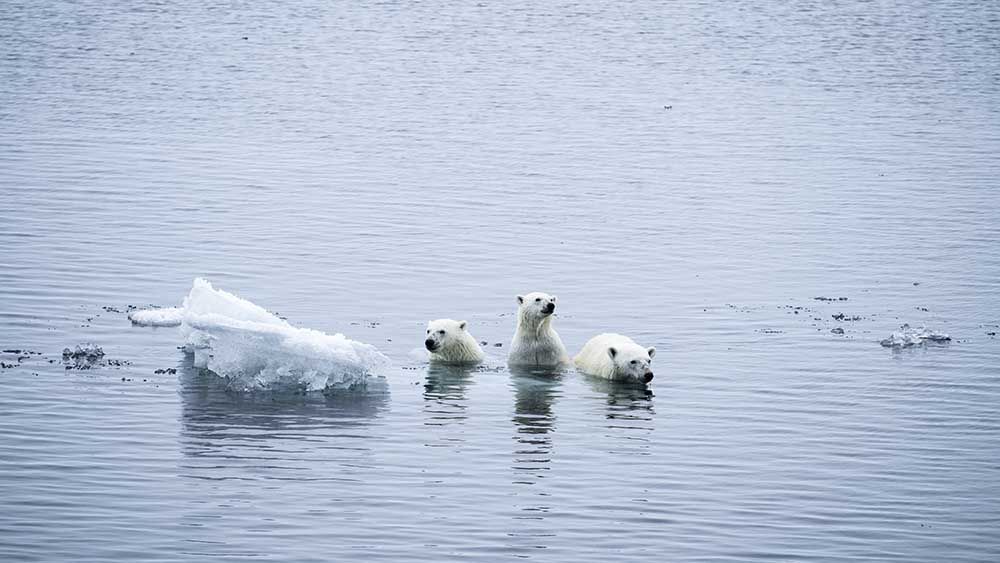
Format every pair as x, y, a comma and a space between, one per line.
204, 299
255, 349
265, 355
170, 316
907, 337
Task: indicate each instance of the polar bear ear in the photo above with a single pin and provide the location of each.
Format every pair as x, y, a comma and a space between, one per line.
520, 300
612, 352
652, 352
461, 325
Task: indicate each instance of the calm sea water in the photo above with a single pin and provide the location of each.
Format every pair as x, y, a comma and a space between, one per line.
690, 174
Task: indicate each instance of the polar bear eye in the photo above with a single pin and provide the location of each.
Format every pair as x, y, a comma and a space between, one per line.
440, 332
633, 362
538, 300
428, 331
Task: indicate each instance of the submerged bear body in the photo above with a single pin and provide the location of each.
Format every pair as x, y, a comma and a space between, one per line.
615, 357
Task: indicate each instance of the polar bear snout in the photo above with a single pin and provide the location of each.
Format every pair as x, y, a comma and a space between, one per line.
648, 377
430, 344
549, 308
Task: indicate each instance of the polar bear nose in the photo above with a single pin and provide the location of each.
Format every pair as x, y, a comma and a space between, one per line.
648, 377
550, 307
429, 343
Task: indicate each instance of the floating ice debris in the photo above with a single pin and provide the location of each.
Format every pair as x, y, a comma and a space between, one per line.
843, 317
91, 352
419, 355
255, 349
170, 316
907, 337
86, 356
15, 355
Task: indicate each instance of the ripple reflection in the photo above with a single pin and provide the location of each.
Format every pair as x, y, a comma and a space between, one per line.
232, 435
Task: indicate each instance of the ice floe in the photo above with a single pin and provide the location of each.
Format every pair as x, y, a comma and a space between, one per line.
256, 349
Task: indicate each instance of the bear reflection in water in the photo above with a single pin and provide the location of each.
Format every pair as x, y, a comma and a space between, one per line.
621, 395
445, 399
629, 412
535, 392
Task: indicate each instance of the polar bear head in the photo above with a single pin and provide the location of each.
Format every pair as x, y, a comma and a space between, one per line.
444, 333
536, 305
632, 362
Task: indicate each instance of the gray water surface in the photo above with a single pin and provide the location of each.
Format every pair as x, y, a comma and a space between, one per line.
692, 175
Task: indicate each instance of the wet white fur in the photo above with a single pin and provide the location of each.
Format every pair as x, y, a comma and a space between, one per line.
456, 345
596, 359
535, 342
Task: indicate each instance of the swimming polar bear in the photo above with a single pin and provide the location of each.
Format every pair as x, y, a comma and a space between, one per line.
535, 342
449, 342
615, 357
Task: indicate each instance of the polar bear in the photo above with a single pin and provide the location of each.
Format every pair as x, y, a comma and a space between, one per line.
535, 342
449, 342
615, 357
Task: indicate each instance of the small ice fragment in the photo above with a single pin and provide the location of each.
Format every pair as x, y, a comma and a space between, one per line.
83, 351
170, 316
419, 355
84, 356
907, 337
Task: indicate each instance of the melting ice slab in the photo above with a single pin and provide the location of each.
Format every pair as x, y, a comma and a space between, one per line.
255, 349
171, 316
907, 336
